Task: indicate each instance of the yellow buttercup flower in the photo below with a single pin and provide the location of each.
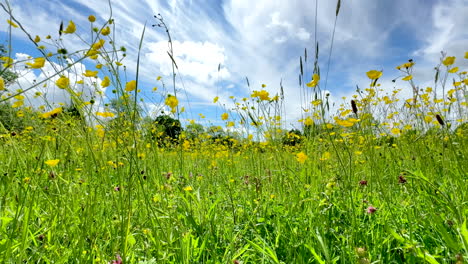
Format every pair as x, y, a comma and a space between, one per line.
130, 86
315, 80
188, 189
215, 100
54, 112
105, 82
37, 39
37, 64
89, 73
62, 82
99, 44
407, 78
262, 95
224, 116
172, 102
91, 18
105, 114
11, 23
301, 157
52, 163
2, 84
374, 75
448, 61
466, 55
71, 28
105, 31
453, 70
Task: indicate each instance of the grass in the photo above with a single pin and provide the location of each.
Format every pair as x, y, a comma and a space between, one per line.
379, 182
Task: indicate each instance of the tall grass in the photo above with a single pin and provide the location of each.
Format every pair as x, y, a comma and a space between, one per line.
381, 181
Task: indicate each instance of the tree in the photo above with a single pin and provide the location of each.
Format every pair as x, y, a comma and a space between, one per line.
8, 76
167, 128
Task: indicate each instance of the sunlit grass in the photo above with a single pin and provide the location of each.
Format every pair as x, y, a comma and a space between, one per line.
96, 181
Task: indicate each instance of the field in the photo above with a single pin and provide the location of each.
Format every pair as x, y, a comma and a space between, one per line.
383, 180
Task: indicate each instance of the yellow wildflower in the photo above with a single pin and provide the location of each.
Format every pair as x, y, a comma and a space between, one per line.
172, 102
188, 188
215, 100
17, 104
91, 18
63, 82
130, 86
224, 116
105, 31
308, 121
11, 23
396, 131
325, 156
99, 44
315, 80
2, 84
407, 78
105, 114
262, 95
448, 61
54, 112
37, 39
37, 64
374, 75
301, 157
466, 55
52, 163
71, 28
453, 70
89, 73
105, 82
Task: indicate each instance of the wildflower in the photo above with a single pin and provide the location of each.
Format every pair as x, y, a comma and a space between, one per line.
63, 82
52, 163
315, 80
99, 44
158, 78
188, 189
215, 100
38, 63
405, 65
89, 73
130, 86
224, 116
118, 261
363, 183
262, 95
71, 28
52, 113
407, 78
117, 188
396, 131
453, 70
448, 61
91, 18
18, 104
105, 82
11, 23
172, 102
105, 114
37, 39
308, 121
326, 155
374, 75
301, 157
105, 31
2, 84
371, 209
466, 55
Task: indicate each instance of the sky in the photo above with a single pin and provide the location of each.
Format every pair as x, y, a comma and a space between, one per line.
260, 40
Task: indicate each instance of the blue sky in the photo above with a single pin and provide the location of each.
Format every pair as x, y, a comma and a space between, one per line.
261, 40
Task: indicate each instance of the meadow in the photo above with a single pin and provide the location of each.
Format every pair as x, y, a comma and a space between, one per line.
382, 180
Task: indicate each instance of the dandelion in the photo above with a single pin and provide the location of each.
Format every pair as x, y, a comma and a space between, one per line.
301, 157
11, 23
374, 75
52, 163
448, 61
63, 82
37, 64
71, 28
130, 86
